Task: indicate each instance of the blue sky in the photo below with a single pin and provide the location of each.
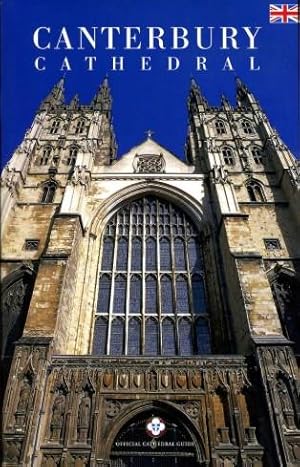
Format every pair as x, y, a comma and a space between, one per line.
153, 99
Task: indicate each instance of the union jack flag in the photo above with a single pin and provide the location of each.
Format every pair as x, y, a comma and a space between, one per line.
284, 13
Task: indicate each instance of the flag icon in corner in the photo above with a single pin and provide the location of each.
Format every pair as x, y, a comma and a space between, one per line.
284, 13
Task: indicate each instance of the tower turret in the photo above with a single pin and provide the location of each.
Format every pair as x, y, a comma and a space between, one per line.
245, 98
103, 100
196, 98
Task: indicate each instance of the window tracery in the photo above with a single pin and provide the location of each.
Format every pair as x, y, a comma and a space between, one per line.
79, 127
257, 155
149, 163
46, 156
151, 284
228, 156
71, 160
54, 127
247, 127
255, 191
48, 194
220, 127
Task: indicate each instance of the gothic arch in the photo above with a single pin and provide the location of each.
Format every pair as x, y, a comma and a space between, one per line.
158, 338
285, 285
255, 190
96, 229
161, 407
116, 201
16, 291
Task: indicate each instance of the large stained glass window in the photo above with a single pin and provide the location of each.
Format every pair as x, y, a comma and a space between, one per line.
151, 293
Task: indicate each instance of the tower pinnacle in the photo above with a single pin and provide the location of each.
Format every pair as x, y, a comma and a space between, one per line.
55, 97
103, 100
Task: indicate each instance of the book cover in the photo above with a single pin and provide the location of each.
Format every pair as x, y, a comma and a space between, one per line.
150, 233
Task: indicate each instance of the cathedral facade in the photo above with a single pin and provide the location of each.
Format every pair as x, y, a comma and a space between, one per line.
150, 305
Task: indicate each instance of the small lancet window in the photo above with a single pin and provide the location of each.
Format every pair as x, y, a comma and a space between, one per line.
185, 337
134, 337
71, 160
168, 337
54, 127
228, 156
202, 336
220, 127
247, 127
100, 336
166, 295
257, 155
79, 127
151, 337
48, 192
46, 155
255, 191
117, 337
135, 305
120, 295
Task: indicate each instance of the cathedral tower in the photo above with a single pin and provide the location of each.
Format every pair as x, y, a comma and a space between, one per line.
150, 304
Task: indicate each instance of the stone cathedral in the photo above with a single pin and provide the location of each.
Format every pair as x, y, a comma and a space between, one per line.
150, 304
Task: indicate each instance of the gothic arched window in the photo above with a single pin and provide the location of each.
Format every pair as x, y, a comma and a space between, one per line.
71, 160
151, 337
100, 336
134, 336
166, 294
247, 127
257, 155
49, 189
46, 155
185, 337
122, 257
168, 337
220, 127
135, 294
136, 254
255, 191
120, 294
104, 294
165, 253
117, 337
79, 127
54, 127
151, 286
228, 156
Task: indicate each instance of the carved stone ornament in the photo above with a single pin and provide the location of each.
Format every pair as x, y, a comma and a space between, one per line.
294, 174
192, 409
58, 413
165, 380
112, 408
23, 402
107, 379
149, 163
84, 411
9, 177
219, 175
261, 116
80, 175
12, 450
138, 380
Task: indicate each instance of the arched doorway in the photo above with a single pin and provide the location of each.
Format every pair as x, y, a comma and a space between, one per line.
155, 438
